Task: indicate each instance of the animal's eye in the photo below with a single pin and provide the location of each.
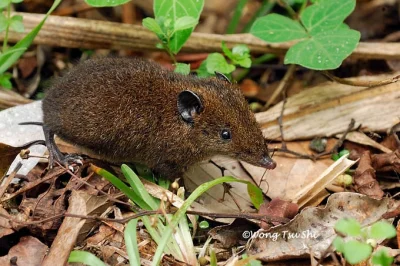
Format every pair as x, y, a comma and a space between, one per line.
226, 134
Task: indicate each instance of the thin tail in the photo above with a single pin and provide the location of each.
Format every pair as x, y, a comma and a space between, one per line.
31, 123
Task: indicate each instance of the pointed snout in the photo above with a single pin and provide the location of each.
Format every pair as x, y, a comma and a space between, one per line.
267, 162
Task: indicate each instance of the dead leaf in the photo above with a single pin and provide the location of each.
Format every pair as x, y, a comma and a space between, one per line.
278, 208
361, 138
8, 154
313, 228
232, 234
326, 178
28, 252
365, 179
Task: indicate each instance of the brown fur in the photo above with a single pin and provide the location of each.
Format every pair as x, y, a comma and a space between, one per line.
126, 111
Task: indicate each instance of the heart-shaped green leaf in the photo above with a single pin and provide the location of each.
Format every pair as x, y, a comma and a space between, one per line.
175, 9
277, 28
326, 14
325, 50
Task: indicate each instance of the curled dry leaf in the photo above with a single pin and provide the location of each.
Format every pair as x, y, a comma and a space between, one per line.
387, 162
278, 208
312, 231
361, 138
365, 179
28, 252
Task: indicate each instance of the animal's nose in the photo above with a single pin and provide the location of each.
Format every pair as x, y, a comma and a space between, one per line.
267, 162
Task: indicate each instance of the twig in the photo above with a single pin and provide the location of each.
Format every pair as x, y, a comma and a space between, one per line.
320, 155
282, 86
8, 180
280, 120
362, 83
339, 142
254, 216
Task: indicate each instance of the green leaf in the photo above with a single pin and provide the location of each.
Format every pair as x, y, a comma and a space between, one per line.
152, 25
138, 187
16, 23
129, 192
348, 227
325, 50
3, 22
382, 258
202, 70
338, 243
16, 1
7, 60
277, 28
175, 9
204, 225
182, 68
85, 257
217, 62
241, 50
5, 81
326, 14
4, 3
240, 54
256, 195
185, 22
382, 230
106, 3
355, 252
131, 242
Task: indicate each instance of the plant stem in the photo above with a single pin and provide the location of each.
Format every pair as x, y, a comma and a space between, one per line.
265, 8
236, 17
258, 60
8, 26
289, 9
303, 6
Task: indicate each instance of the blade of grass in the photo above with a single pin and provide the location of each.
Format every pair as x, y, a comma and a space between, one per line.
138, 187
130, 193
86, 258
265, 9
131, 243
6, 60
236, 17
182, 211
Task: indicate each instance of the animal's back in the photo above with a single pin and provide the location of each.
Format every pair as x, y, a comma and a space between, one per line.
108, 104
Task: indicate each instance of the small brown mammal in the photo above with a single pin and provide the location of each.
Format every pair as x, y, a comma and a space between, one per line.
133, 110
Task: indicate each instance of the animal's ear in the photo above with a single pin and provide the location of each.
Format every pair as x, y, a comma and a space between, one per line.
189, 105
222, 77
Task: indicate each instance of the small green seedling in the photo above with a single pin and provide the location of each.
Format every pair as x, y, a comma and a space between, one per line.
173, 24
324, 41
216, 62
362, 241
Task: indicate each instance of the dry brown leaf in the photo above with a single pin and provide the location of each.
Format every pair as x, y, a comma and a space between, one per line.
326, 110
8, 154
315, 227
361, 138
28, 252
289, 177
313, 189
